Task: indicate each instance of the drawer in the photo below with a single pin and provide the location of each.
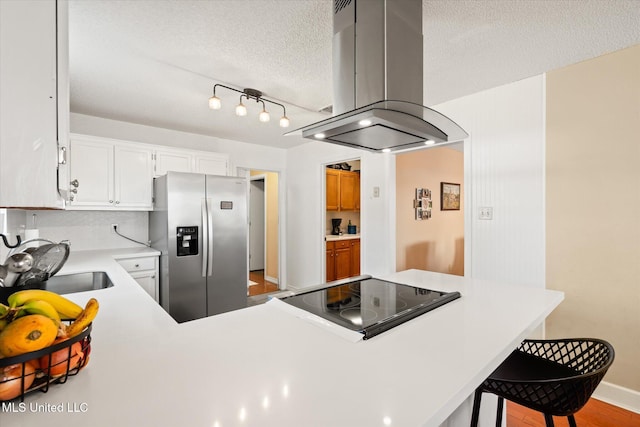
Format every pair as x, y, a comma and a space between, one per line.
138, 264
341, 244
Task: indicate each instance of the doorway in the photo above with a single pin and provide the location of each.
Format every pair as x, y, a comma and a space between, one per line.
342, 220
264, 247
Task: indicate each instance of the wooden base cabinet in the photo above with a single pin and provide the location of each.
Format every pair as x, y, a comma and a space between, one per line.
343, 259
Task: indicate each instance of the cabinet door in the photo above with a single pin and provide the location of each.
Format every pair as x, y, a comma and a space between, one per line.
343, 262
333, 189
91, 165
133, 177
28, 134
175, 161
355, 257
330, 263
147, 281
347, 191
211, 164
356, 192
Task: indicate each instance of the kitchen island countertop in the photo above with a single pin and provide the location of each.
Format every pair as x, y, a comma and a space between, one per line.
262, 366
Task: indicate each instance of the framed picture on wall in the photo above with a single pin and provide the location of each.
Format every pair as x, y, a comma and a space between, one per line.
449, 196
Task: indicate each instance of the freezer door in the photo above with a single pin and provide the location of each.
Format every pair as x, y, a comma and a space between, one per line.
186, 291
229, 269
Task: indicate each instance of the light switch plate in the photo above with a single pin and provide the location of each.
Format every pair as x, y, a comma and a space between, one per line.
376, 191
486, 213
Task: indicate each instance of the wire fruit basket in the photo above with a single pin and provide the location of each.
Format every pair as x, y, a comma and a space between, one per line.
37, 370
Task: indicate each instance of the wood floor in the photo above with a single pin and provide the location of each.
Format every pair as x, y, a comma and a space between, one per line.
595, 414
262, 286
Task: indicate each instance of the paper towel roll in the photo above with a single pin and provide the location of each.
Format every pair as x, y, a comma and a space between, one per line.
29, 234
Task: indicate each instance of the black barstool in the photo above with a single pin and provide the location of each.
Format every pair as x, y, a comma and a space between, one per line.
555, 377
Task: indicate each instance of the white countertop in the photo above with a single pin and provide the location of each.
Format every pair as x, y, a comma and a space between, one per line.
332, 237
263, 367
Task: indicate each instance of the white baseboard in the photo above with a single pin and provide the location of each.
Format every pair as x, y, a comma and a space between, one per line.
616, 395
271, 280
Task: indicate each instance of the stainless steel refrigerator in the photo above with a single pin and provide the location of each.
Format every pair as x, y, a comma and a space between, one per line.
200, 225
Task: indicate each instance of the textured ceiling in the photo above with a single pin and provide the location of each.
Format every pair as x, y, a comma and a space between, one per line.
155, 62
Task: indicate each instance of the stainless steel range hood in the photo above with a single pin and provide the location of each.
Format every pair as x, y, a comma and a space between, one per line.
377, 80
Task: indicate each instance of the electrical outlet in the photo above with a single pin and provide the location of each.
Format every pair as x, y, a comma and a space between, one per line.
114, 226
486, 213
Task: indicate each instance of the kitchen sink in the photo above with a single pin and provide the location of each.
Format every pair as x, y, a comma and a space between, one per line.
78, 282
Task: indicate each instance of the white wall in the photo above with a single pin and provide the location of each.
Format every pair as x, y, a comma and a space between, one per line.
306, 210
504, 169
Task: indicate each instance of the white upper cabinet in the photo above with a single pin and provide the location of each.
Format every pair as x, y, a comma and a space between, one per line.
30, 64
133, 177
108, 174
175, 160
171, 160
211, 163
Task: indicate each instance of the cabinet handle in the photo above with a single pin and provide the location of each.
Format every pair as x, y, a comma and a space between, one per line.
62, 156
74, 190
117, 202
137, 265
75, 183
110, 201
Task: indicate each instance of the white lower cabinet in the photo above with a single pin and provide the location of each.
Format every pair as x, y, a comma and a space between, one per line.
145, 271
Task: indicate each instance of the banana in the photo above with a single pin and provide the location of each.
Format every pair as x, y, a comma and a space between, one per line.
36, 306
67, 309
3, 310
82, 321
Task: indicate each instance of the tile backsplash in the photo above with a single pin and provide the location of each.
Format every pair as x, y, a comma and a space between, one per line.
86, 230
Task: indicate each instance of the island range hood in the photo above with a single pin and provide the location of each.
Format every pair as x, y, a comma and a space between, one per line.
377, 81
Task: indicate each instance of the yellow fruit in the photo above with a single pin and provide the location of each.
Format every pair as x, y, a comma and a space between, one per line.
88, 314
28, 333
67, 309
41, 307
3, 310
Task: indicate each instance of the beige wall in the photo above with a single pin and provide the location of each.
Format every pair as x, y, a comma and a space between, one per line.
271, 195
593, 205
436, 244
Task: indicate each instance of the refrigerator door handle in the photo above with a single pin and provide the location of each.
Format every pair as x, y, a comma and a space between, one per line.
205, 236
209, 238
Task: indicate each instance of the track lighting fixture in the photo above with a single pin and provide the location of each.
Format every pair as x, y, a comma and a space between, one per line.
241, 109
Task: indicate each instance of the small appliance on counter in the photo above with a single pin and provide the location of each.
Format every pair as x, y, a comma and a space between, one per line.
351, 229
335, 226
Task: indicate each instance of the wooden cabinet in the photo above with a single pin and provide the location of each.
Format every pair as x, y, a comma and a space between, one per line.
330, 263
355, 257
144, 269
333, 189
343, 259
342, 190
30, 69
108, 174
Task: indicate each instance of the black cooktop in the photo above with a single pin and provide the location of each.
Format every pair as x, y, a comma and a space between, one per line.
370, 306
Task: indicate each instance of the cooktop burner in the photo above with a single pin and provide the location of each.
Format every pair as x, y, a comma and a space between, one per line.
370, 306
